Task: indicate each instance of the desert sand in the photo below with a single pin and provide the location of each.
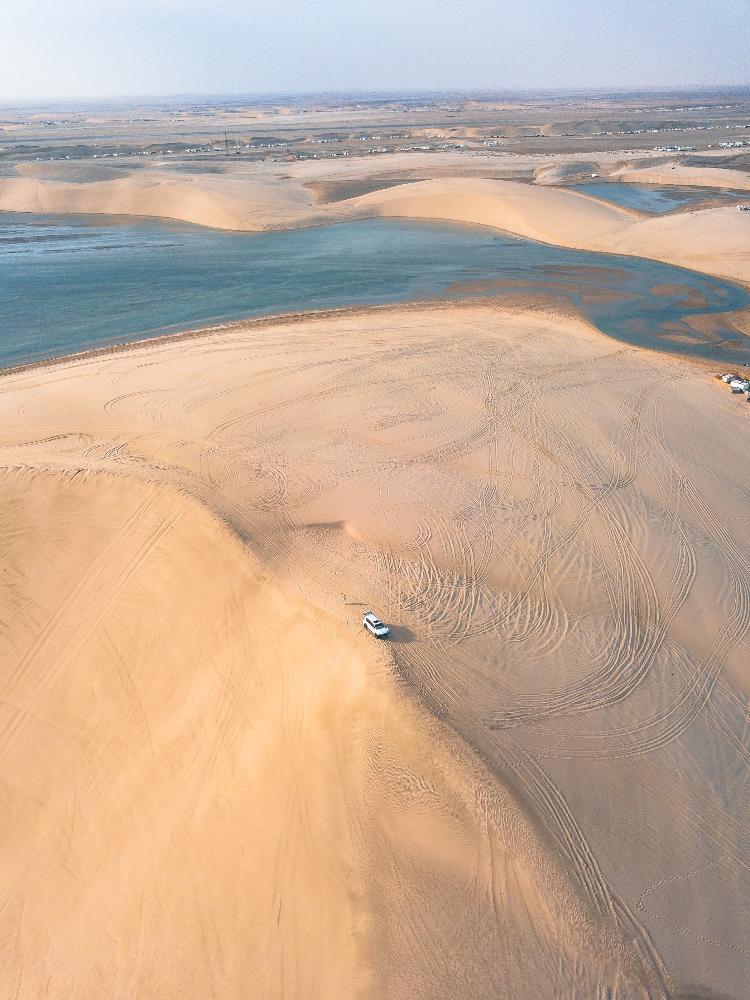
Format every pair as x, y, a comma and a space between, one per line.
220, 203
685, 174
217, 785
715, 240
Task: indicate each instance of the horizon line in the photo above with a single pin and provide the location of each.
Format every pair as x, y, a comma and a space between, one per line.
486, 92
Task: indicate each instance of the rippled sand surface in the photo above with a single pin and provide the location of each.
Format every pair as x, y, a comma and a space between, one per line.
216, 784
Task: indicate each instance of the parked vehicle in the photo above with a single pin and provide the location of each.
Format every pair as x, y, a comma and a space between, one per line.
374, 625
728, 378
739, 385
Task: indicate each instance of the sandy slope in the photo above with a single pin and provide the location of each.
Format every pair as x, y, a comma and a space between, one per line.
258, 200
552, 215
685, 174
716, 241
213, 789
212, 781
219, 202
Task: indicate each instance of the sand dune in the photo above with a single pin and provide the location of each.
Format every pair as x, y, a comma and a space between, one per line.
685, 174
264, 201
221, 202
716, 241
215, 789
553, 215
563, 171
227, 790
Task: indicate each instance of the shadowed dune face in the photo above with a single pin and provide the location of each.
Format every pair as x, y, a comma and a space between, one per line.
558, 520
212, 788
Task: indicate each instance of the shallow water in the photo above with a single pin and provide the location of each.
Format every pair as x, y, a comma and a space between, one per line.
71, 283
657, 200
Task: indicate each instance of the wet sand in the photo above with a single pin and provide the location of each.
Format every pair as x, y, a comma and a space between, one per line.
216, 783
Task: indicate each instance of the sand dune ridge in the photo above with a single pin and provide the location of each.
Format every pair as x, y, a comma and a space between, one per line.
564, 568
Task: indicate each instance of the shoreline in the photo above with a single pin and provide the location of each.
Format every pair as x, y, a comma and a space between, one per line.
551, 307
546, 302
217, 454
557, 216
290, 318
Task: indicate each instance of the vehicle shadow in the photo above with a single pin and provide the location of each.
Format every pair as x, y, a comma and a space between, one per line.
401, 634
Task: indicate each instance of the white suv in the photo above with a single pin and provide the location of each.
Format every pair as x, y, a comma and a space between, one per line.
375, 626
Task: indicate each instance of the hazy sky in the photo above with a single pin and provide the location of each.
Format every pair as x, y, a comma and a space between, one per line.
79, 48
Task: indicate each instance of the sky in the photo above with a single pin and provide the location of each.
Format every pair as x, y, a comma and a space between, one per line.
58, 49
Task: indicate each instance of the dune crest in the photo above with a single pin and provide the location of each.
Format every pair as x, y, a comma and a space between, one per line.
685, 174
713, 240
231, 796
221, 773
217, 202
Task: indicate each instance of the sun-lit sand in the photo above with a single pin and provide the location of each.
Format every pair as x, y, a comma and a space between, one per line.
716, 240
216, 789
217, 785
685, 174
223, 203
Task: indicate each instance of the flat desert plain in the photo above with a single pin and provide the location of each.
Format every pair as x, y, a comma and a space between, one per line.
216, 784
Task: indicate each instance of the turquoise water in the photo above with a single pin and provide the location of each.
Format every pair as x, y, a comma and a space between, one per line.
657, 200
71, 283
